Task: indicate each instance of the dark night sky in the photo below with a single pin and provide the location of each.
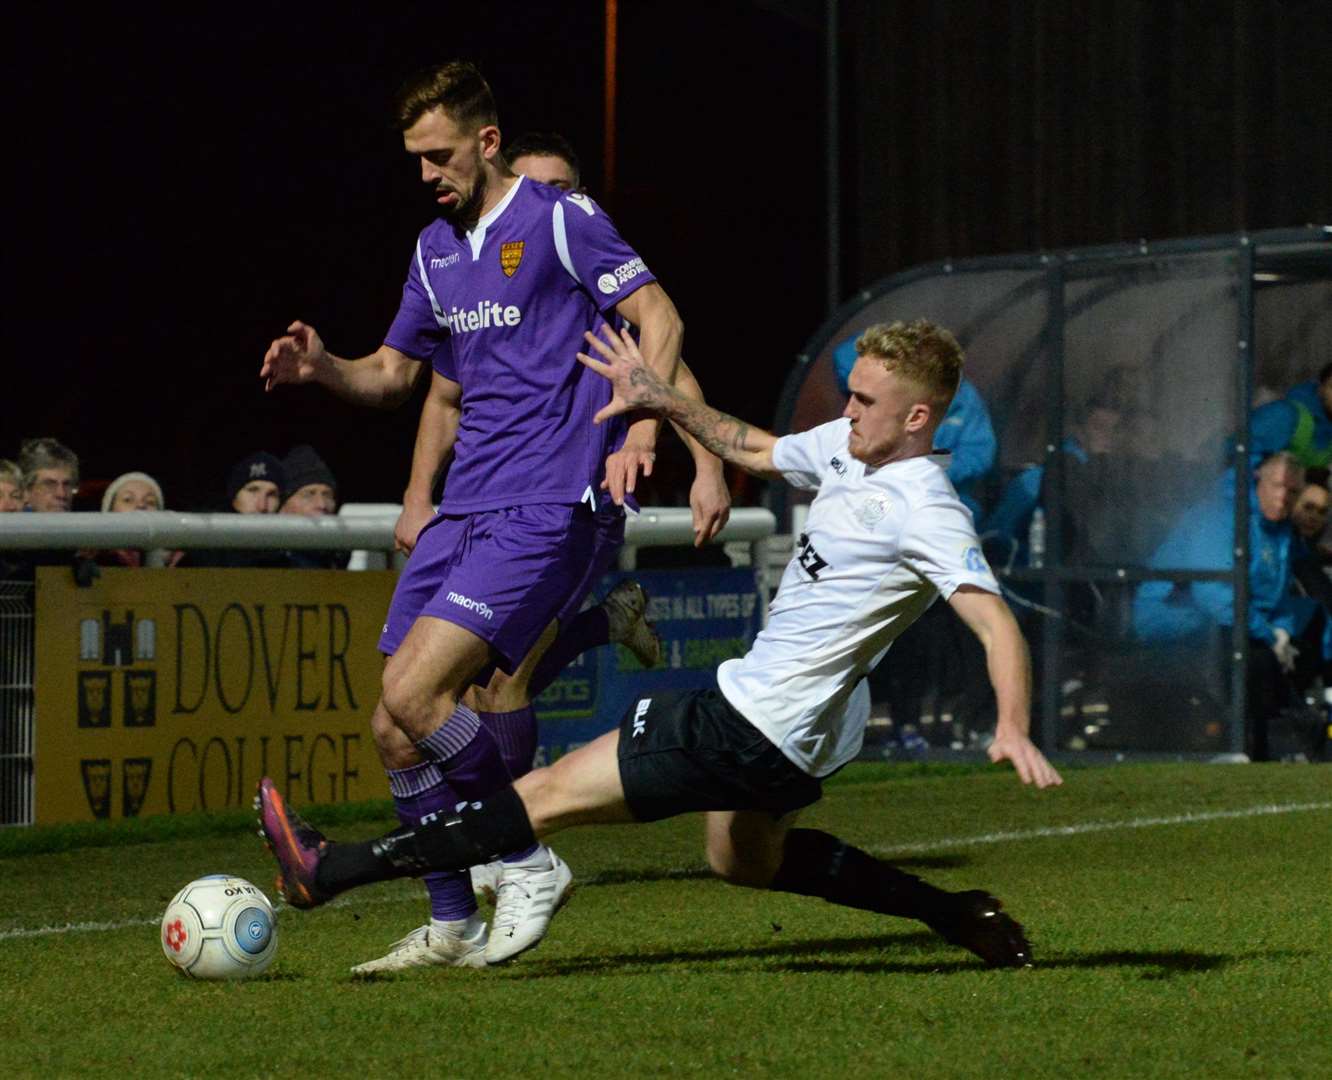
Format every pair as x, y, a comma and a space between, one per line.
184, 185
188, 184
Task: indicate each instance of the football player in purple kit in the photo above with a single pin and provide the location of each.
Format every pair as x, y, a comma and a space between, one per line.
499, 293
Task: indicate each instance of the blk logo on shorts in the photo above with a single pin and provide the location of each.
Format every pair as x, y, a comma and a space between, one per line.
640, 716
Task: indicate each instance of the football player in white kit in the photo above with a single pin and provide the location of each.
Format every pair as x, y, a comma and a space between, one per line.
885, 535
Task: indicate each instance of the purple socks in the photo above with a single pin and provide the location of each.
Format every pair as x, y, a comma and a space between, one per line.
419, 794
469, 757
516, 734
584, 631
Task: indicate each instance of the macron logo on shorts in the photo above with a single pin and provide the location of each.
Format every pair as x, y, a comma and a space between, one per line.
484, 610
640, 714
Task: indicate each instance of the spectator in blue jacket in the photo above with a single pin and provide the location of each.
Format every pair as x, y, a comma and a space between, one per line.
1300, 423
966, 431
1204, 540
1096, 437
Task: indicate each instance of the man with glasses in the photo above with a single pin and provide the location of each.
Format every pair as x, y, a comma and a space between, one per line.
50, 475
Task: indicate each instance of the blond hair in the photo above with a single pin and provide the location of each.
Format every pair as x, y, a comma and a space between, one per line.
927, 355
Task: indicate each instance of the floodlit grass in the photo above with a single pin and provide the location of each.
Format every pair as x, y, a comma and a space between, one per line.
1201, 948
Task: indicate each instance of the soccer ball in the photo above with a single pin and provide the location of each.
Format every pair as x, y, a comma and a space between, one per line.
219, 927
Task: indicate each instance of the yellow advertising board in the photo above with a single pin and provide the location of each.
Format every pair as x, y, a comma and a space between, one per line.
171, 691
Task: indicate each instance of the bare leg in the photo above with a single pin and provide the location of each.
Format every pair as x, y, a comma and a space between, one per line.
746, 847
425, 679
582, 788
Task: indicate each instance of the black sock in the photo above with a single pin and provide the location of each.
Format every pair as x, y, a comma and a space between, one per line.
477, 833
817, 864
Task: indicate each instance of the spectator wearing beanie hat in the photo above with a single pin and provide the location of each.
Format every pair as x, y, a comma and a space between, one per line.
311, 491
254, 484
129, 492
309, 487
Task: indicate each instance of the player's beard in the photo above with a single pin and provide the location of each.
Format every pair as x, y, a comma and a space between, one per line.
466, 212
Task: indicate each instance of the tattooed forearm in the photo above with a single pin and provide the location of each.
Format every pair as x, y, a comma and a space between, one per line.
725, 436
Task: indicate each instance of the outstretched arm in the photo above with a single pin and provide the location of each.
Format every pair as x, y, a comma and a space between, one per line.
709, 497
435, 435
637, 386
383, 380
1010, 673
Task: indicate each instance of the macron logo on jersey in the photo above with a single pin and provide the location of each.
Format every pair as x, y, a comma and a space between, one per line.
485, 315
437, 263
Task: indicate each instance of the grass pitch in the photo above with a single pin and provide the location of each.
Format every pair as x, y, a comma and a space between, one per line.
1181, 918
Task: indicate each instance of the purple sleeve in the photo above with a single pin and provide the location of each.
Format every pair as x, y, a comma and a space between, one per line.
416, 330
593, 252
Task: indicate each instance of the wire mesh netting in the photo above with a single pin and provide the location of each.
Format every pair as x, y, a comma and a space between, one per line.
16, 702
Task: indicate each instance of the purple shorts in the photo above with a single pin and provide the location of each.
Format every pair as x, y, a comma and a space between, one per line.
503, 574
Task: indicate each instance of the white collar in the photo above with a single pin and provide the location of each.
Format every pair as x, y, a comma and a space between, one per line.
496, 210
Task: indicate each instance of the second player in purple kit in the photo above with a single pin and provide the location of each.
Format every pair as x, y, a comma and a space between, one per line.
498, 296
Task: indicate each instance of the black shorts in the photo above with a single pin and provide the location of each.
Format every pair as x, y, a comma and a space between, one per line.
683, 751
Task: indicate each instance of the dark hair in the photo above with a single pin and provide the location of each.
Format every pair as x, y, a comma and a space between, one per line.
456, 87
544, 144
1325, 373
1316, 476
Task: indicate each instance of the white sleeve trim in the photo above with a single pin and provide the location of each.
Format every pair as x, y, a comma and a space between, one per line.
562, 241
434, 304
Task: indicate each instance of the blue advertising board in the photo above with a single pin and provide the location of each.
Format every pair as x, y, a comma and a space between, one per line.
703, 617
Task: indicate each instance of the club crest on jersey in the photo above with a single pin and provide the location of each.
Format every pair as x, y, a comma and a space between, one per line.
873, 510
511, 254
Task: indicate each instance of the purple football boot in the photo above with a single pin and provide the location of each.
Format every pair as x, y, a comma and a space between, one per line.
297, 846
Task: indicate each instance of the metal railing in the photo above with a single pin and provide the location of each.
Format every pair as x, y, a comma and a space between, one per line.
363, 529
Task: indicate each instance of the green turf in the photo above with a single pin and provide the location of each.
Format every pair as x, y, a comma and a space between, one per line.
1197, 949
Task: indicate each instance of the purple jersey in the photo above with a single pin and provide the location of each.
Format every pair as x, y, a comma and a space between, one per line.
501, 310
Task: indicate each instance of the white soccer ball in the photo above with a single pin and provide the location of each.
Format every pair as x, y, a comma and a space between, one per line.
219, 927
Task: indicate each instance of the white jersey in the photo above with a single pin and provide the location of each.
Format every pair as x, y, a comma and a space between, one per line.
879, 545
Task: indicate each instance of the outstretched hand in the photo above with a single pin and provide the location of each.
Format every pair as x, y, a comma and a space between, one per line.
293, 358
1030, 763
634, 384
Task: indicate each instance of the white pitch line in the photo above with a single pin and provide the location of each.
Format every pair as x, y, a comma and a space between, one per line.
922, 847
1097, 826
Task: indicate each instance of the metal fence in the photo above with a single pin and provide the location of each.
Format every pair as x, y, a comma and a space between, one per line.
16, 714
1181, 339
746, 539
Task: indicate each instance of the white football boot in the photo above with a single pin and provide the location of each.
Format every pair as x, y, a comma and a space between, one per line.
461, 943
529, 895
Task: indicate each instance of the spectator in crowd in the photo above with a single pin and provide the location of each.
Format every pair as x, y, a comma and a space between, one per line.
1300, 423
1310, 558
132, 491
11, 487
309, 487
50, 475
966, 432
50, 479
1203, 539
547, 157
254, 484
128, 493
1096, 435
1311, 511
310, 490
